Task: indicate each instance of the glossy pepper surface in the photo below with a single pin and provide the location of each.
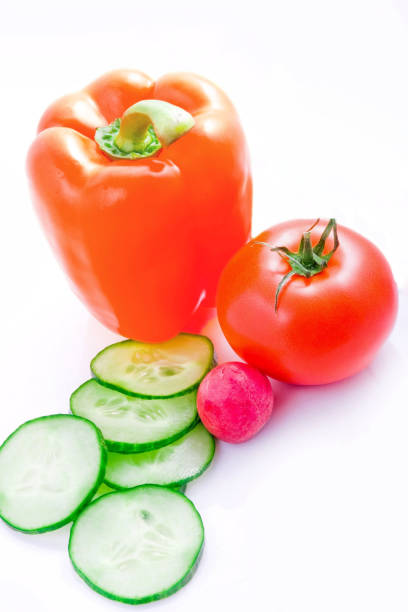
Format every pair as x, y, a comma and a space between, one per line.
143, 238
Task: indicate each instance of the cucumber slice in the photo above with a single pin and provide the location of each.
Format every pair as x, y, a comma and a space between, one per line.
137, 546
155, 370
103, 490
134, 424
49, 469
172, 465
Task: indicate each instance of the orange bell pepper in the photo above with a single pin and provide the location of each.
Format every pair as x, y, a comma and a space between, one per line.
143, 222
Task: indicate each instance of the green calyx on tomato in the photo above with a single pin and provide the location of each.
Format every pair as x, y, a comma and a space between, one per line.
308, 260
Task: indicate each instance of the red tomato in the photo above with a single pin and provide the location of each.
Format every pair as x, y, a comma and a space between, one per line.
325, 327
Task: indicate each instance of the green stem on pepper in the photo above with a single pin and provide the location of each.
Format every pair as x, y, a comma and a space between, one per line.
143, 129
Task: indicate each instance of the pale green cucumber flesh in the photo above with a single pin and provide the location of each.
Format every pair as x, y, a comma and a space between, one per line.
139, 545
166, 369
171, 465
134, 424
50, 468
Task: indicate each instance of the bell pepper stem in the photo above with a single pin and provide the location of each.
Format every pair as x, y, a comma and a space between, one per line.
143, 129
169, 123
133, 132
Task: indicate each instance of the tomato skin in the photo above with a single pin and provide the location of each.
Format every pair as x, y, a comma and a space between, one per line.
327, 327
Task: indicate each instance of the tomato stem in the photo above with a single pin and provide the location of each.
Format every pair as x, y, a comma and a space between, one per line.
307, 261
306, 251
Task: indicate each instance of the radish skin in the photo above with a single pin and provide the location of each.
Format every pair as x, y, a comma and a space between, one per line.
234, 401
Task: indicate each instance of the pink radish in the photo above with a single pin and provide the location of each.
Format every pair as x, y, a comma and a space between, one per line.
235, 401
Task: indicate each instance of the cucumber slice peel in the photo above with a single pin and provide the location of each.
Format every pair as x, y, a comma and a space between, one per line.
139, 545
171, 466
134, 424
50, 468
103, 489
160, 370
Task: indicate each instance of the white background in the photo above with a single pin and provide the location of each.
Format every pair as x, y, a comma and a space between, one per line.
312, 514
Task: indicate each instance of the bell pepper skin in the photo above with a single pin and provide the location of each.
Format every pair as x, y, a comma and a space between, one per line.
143, 241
